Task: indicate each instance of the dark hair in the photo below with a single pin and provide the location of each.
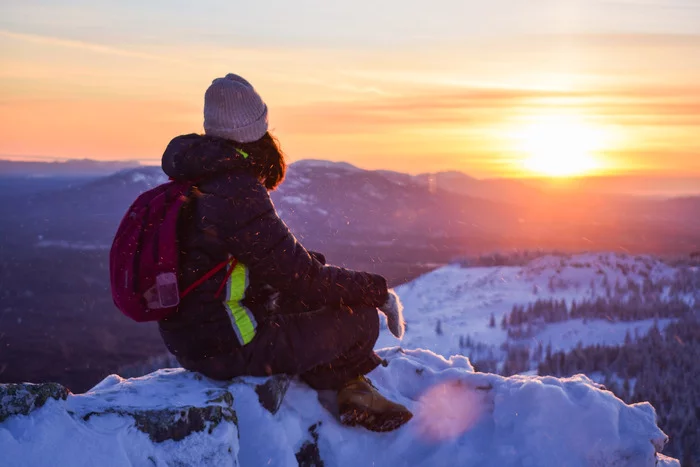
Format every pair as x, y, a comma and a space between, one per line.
266, 159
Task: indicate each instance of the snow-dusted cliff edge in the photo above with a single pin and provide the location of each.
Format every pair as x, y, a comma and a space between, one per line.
173, 417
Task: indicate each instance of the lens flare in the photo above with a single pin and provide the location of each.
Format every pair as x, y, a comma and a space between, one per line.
448, 410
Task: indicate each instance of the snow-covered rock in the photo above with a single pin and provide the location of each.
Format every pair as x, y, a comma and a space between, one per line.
166, 418
174, 417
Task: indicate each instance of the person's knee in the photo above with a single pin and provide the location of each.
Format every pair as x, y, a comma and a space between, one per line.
367, 321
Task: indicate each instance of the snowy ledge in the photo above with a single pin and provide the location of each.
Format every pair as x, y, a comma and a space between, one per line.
174, 417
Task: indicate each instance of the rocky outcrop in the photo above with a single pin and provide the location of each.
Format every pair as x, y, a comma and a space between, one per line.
175, 418
24, 398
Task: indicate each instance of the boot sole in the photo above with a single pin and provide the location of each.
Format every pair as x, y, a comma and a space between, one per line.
351, 415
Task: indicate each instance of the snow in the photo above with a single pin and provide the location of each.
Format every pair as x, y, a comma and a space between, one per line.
562, 335
462, 299
372, 191
298, 182
324, 164
58, 434
151, 178
461, 418
613, 265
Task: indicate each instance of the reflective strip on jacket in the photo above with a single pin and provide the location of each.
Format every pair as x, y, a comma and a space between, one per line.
241, 317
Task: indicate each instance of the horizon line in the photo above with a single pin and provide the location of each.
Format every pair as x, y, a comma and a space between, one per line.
153, 163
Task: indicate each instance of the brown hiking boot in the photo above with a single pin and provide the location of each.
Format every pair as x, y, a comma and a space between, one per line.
359, 403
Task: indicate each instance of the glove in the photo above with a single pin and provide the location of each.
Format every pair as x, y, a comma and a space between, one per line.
393, 310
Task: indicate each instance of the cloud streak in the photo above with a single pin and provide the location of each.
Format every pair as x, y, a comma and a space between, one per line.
81, 45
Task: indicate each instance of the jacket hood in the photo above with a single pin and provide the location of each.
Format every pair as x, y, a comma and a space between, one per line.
193, 156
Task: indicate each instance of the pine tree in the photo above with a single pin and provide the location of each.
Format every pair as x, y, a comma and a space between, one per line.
492, 321
537, 356
628, 338
626, 393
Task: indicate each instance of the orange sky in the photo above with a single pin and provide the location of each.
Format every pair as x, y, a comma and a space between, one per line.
426, 100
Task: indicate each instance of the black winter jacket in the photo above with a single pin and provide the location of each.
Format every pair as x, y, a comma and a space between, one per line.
230, 212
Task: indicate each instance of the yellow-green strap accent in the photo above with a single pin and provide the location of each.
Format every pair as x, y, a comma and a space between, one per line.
242, 318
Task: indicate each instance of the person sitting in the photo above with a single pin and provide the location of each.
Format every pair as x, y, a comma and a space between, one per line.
281, 309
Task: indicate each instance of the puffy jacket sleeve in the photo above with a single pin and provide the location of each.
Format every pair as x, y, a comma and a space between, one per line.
245, 218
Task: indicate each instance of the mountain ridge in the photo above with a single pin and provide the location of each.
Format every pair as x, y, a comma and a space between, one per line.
335, 203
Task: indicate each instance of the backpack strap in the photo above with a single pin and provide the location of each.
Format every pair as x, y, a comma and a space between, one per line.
232, 262
232, 265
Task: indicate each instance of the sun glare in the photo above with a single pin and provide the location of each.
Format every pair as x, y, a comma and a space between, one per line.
560, 146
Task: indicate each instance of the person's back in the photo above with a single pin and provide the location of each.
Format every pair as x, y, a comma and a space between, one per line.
280, 309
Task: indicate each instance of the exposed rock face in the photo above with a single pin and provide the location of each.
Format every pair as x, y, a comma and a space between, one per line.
169, 424
23, 398
271, 392
309, 454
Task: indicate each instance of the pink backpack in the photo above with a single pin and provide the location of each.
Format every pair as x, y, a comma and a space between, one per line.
144, 259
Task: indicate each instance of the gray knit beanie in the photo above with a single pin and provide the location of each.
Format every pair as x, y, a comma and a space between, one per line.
233, 110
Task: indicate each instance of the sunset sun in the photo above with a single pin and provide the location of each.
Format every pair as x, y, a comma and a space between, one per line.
560, 146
